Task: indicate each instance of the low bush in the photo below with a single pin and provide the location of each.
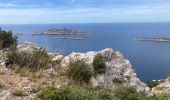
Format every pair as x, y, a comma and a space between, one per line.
77, 92
18, 92
129, 93
161, 96
79, 71
36, 88
34, 61
118, 80
99, 64
68, 93
106, 95
152, 84
7, 39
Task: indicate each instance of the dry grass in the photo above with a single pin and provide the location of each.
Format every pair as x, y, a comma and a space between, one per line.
18, 92
36, 88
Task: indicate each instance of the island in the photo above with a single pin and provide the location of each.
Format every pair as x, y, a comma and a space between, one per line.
61, 31
155, 39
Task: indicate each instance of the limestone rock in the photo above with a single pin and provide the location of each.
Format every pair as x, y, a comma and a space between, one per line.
163, 87
57, 59
27, 47
116, 67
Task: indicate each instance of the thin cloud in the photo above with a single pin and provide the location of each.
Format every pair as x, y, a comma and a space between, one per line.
10, 4
73, 1
139, 11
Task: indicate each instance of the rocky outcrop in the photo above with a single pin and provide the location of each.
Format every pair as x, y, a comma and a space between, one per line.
12, 81
57, 58
163, 87
27, 47
117, 68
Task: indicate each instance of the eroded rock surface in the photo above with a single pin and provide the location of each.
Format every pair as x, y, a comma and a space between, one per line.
163, 87
117, 68
27, 47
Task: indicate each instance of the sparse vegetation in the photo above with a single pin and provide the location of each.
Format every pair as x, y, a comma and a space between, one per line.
153, 83
34, 61
36, 88
7, 39
106, 95
99, 64
18, 92
118, 80
79, 71
162, 96
129, 93
69, 93
85, 93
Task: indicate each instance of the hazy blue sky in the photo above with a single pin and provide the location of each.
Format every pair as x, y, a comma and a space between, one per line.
83, 11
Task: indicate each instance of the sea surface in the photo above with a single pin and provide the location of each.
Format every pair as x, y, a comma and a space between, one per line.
151, 60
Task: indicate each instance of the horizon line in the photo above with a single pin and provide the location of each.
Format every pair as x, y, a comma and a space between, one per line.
79, 23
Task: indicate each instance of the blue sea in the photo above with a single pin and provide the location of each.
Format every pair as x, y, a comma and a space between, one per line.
151, 60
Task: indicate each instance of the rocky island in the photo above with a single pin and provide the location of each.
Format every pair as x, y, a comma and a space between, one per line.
61, 31
155, 39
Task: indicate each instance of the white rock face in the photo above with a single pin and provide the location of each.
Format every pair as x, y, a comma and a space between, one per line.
4, 94
164, 87
117, 67
57, 58
27, 47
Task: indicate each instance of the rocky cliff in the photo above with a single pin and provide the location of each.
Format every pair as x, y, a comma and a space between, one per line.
163, 87
117, 68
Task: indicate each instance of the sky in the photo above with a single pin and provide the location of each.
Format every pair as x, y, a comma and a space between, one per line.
83, 11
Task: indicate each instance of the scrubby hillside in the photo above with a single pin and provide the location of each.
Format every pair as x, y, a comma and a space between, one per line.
28, 72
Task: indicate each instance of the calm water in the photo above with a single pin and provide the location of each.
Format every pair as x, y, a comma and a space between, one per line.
150, 60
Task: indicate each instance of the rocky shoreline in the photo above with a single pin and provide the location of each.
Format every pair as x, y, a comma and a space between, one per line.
116, 67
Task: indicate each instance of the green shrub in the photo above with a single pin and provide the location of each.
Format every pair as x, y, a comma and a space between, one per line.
18, 93
162, 96
68, 93
85, 93
152, 84
129, 93
34, 61
99, 64
106, 95
41, 58
118, 80
79, 71
7, 39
